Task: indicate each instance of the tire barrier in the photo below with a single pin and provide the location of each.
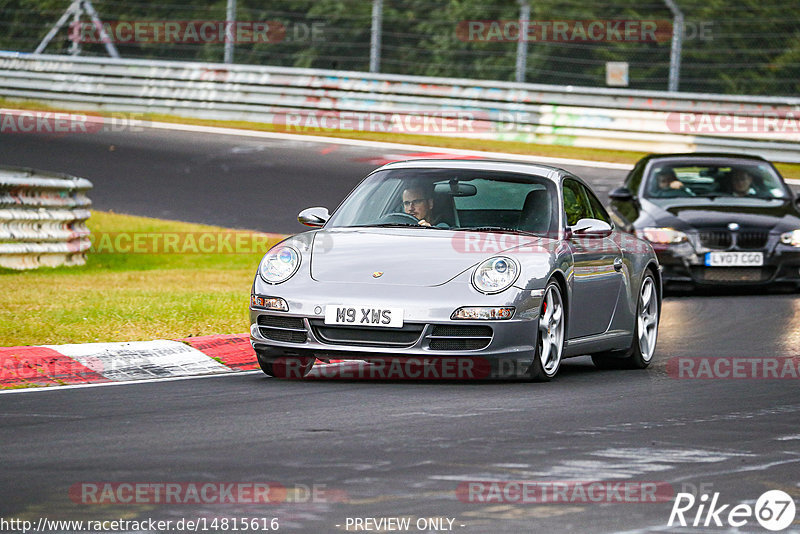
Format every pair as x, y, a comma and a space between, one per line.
42, 219
313, 101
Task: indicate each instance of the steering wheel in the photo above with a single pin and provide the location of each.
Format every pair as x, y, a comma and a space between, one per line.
398, 218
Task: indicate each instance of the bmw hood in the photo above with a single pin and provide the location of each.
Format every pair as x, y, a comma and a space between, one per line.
402, 256
719, 213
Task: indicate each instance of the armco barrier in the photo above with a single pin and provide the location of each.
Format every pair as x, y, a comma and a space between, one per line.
577, 116
42, 219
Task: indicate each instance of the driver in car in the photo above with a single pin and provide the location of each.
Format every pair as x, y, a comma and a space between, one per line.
741, 182
418, 202
669, 185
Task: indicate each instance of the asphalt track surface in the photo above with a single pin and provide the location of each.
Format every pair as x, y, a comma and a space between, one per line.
393, 448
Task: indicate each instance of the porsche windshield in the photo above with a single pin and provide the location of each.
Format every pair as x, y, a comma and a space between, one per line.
687, 180
451, 199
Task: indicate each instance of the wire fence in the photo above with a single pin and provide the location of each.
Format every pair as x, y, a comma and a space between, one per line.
747, 47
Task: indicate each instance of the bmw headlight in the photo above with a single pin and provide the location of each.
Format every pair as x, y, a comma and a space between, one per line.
279, 264
495, 275
663, 236
791, 238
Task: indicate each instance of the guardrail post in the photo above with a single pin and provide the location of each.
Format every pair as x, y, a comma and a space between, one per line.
522, 43
677, 45
375, 40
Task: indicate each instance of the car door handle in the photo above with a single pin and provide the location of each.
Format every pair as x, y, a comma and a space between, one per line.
617, 264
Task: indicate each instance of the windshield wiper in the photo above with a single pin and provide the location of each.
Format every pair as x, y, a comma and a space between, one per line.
394, 225
503, 229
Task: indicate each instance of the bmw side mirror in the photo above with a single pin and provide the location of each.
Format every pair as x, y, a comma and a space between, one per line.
314, 217
621, 194
591, 228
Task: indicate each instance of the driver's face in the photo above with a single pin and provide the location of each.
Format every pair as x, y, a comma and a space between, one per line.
415, 204
742, 182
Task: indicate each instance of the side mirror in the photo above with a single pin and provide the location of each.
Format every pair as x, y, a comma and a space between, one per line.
621, 194
591, 228
314, 217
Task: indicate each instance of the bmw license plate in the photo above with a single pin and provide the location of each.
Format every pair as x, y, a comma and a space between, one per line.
735, 259
364, 316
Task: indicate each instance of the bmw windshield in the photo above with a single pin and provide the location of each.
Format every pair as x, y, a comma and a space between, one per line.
714, 180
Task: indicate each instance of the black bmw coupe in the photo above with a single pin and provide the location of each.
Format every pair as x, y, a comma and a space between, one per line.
713, 219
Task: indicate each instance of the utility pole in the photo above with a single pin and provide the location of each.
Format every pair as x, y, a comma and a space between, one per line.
677, 45
75, 10
375, 40
230, 22
522, 43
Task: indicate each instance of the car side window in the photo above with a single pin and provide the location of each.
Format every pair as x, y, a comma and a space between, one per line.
634, 179
598, 211
575, 204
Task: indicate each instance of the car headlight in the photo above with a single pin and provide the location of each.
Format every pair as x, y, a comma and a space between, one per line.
791, 238
495, 275
279, 264
664, 236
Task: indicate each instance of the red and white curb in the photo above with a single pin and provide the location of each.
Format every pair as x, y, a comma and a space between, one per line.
49, 365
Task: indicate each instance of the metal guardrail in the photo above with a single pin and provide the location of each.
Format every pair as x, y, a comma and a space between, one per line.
619, 119
42, 219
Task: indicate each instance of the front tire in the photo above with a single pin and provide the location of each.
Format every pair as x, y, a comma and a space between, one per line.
285, 366
645, 333
550, 340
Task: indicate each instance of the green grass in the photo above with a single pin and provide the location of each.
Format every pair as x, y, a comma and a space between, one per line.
788, 170
128, 296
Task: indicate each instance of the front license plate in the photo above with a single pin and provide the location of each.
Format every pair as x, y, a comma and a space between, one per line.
735, 259
364, 316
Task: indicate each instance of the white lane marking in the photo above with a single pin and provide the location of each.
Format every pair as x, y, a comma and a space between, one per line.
127, 382
384, 145
631, 462
643, 455
761, 467
141, 359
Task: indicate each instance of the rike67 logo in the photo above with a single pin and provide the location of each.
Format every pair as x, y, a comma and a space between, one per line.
774, 510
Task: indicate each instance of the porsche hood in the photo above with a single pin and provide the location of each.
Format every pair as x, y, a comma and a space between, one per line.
405, 256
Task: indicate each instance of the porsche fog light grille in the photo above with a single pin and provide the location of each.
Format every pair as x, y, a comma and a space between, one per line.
367, 336
282, 328
460, 337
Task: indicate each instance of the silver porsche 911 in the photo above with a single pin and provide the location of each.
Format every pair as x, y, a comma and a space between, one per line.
514, 265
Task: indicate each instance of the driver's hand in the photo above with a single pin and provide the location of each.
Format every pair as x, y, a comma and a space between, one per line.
423, 222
